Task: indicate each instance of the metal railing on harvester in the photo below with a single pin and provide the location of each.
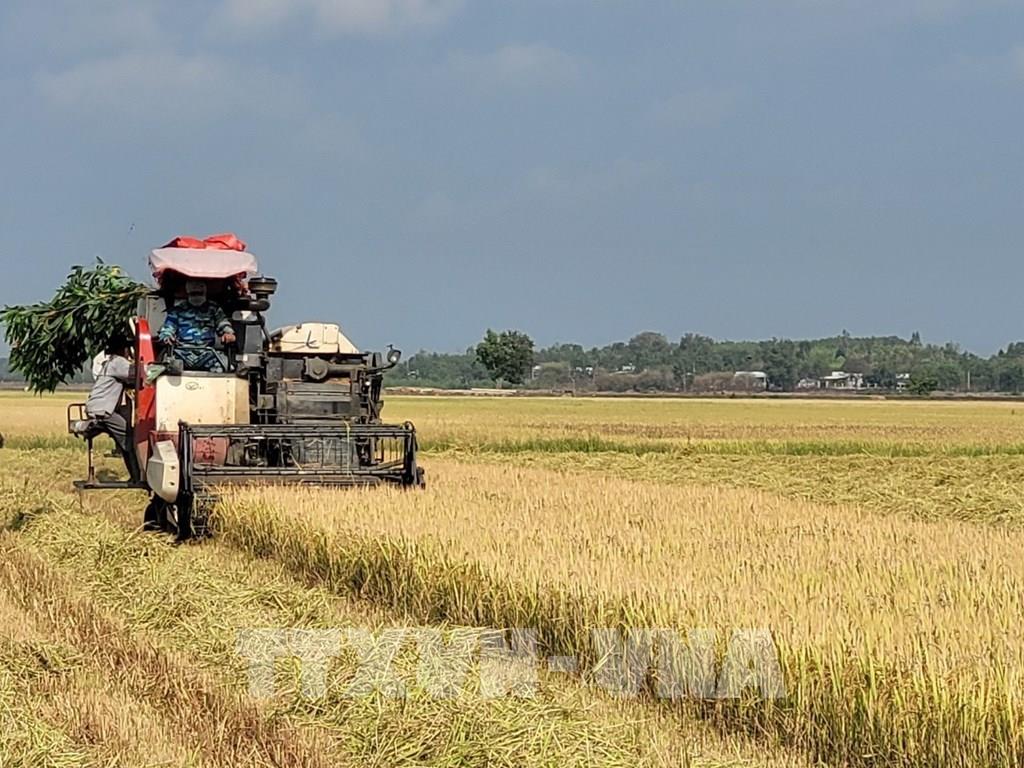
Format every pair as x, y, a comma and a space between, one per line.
316, 454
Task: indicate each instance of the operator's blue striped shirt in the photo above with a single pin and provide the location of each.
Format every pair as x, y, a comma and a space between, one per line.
200, 326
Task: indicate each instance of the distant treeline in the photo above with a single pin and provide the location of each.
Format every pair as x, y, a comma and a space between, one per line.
7, 375
651, 362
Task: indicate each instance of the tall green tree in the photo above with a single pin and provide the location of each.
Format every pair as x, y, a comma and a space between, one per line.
695, 354
923, 382
780, 362
507, 356
649, 350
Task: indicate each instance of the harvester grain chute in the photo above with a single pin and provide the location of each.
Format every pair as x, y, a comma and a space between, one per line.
298, 405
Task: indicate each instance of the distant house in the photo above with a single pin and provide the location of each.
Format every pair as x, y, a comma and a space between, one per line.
809, 384
902, 381
843, 380
750, 380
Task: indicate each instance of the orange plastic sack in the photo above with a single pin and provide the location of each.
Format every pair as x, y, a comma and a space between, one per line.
223, 242
226, 241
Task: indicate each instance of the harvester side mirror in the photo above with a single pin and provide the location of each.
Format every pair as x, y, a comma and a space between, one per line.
394, 355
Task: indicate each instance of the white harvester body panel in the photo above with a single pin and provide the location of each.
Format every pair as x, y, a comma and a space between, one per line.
163, 471
312, 339
199, 399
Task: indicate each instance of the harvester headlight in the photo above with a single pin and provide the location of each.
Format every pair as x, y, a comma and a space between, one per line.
394, 355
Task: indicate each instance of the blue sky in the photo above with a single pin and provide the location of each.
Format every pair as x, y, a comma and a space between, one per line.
420, 170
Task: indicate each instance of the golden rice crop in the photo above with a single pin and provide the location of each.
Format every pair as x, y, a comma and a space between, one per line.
927, 459
897, 637
984, 489
896, 632
469, 421
119, 649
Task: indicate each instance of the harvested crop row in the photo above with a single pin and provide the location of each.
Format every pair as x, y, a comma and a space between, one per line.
897, 638
196, 598
221, 726
60, 708
36, 673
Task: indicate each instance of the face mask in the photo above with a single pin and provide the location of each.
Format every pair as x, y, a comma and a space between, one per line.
196, 294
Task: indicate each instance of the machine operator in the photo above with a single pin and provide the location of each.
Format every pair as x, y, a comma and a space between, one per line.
193, 326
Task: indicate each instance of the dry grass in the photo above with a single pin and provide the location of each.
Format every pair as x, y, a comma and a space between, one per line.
930, 460
898, 637
469, 421
220, 724
60, 709
983, 489
23, 414
149, 630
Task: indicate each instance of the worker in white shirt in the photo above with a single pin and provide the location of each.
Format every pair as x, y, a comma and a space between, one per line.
106, 404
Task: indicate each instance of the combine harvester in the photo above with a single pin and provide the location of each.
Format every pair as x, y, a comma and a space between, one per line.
299, 405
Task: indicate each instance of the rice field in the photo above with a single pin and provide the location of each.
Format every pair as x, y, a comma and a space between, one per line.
875, 544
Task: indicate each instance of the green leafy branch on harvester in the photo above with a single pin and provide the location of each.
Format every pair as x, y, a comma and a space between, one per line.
51, 341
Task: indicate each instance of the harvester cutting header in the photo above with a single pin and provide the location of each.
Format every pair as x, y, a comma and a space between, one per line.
220, 399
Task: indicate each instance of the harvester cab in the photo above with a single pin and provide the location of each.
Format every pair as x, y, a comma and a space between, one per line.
296, 405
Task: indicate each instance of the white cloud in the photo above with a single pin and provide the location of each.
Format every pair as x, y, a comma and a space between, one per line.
535, 64
1007, 66
1016, 62
135, 81
351, 17
566, 187
163, 87
65, 27
936, 10
929, 11
436, 214
257, 13
949, 10
701, 106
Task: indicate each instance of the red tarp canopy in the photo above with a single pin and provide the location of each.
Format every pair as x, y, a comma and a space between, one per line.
216, 257
222, 242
